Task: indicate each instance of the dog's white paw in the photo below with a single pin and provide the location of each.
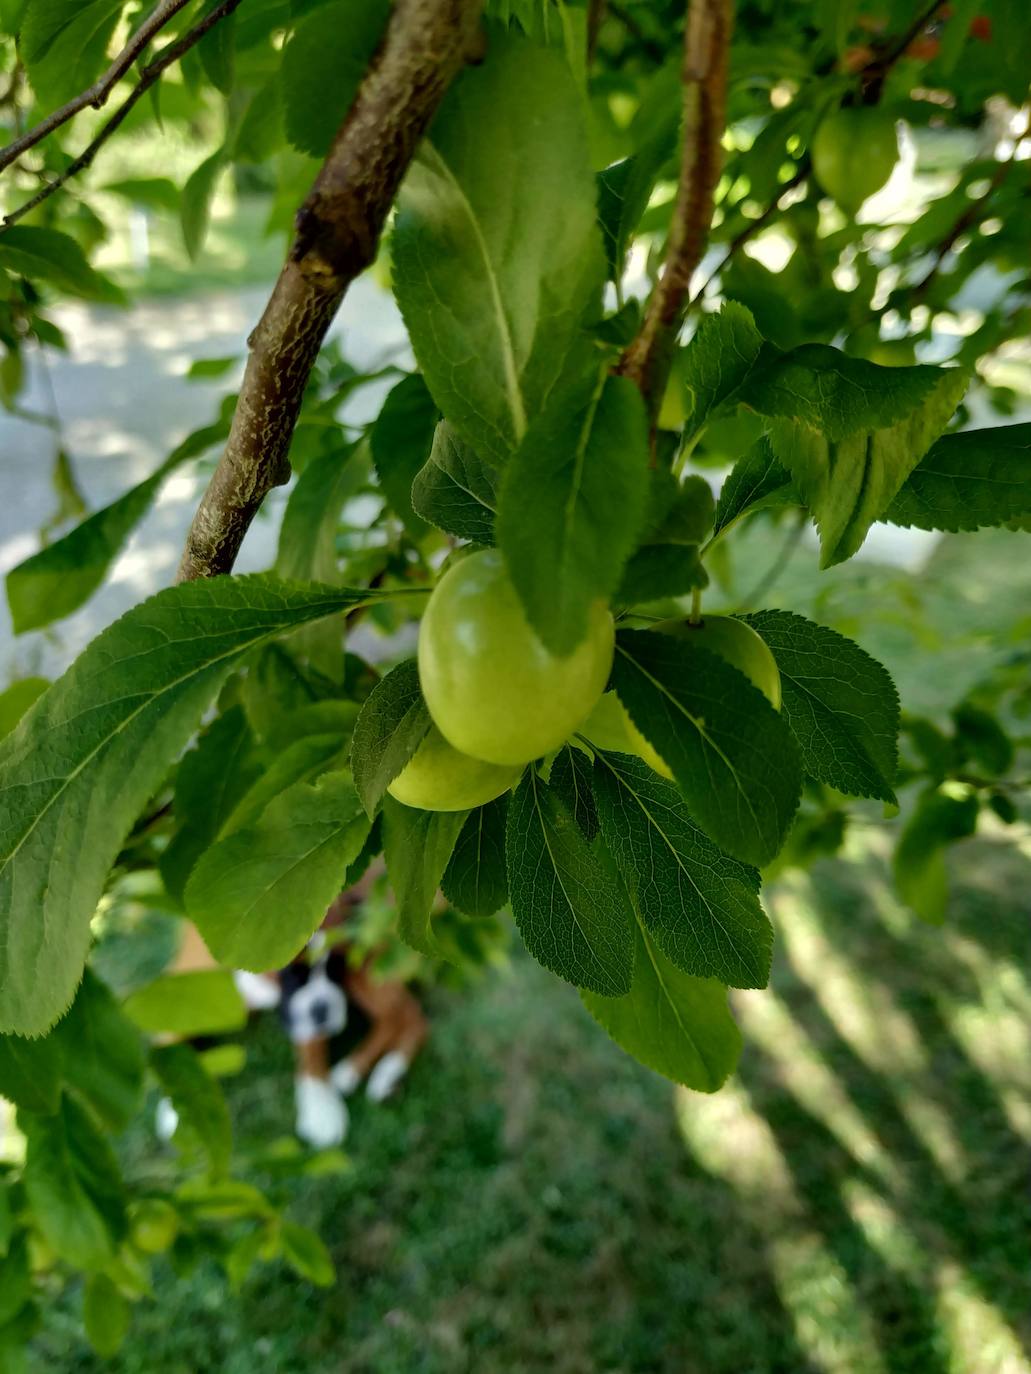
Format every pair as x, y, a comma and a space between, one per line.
321, 1112
345, 1076
259, 992
166, 1119
386, 1076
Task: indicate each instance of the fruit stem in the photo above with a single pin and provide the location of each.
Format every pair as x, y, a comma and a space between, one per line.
695, 618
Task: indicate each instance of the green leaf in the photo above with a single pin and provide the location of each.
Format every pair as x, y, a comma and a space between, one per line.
980, 735
195, 202
567, 901
306, 1254
258, 895
154, 193
840, 703
661, 570
624, 188
402, 439
204, 1002
15, 1277
31, 1072
63, 44
103, 1054
323, 66
105, 1315
755, 482
217, 49
676, 1024
78, 770
699, 906
207, 369
6, 1220
198, 1099
303, 761
307, 542
850, 432
732, 755
17, 699
572, 780
921, 875
475, 880
572, 503
967, 481
417, 846
454, 489
63, 576
209, 783
496, 251
73, 1185
393, 723
48, 255
718, 359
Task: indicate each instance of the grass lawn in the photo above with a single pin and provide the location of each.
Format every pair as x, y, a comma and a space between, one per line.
854, 1202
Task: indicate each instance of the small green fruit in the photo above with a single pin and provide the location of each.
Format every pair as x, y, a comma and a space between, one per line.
439, 778
854, 153
154, 1226
736, 642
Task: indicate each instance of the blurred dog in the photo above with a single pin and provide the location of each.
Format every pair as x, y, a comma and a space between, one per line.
315, 995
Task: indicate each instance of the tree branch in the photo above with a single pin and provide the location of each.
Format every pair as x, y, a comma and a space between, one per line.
97, 94
148, 76
646, 360
338, 228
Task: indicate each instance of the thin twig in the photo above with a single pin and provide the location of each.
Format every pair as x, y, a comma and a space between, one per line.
874, 74
646, 360
97, 94
783, 558
338, 228
752, 227
655, 51
148, 76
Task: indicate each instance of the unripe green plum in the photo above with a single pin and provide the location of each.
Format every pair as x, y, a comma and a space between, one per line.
736, 642
854, 153
153, 1226
609, 727
439, 778
492, 687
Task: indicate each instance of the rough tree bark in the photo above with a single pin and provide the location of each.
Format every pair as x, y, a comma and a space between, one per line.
338, 227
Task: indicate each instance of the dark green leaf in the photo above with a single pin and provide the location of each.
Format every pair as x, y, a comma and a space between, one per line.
105, 1315
495, 315
322, 68
661, 570
78, 770
51, 256
204, 1002
73, 1185
259, 894
15, 1277
197, 1098
966, 481
840, 703
393, 723
210, 782
850, 432
572, 779
402, 438
700, 907
306, 1254
732, 755
103, 1053
475, 880
217, 50
983, 738
208, 369
572, 504
625, 186
303, 761
155, 193
717, 360
756, 481
195, 202
568, 903
31, 1072
63, 44
454, 489
676, 1024
417, 846
921, 875
63, 576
